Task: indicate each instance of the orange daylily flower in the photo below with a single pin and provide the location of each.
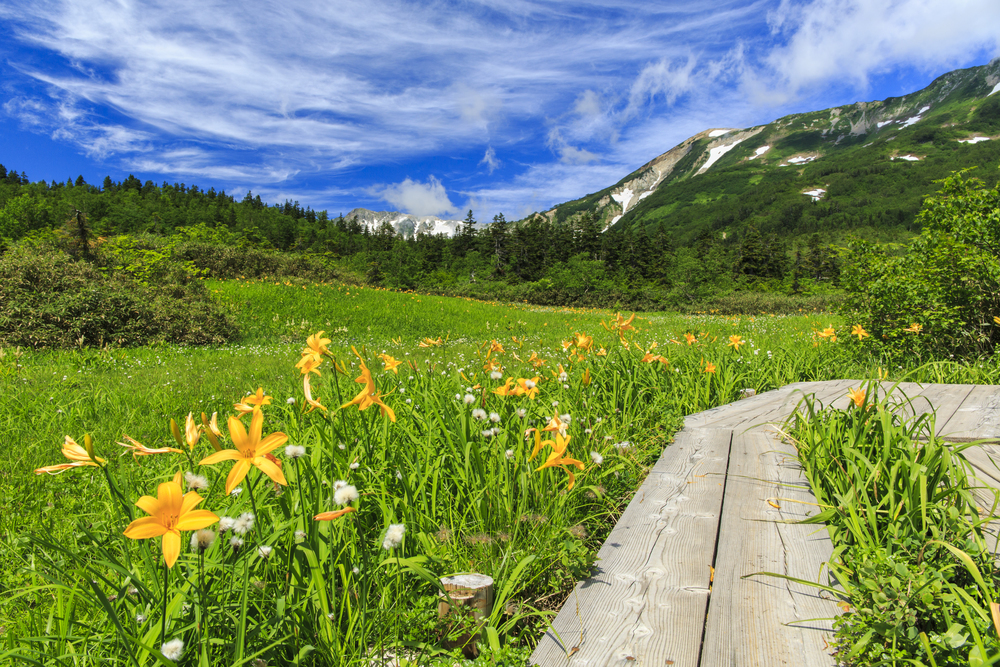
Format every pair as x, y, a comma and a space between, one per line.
316, 345
170, 513
857, 395
584, 341
556, 424
691, 340
77, 456
535, 360
430, 342
566, 344
526, 387
859, 331
368, 396
309, 364
250, 450
390, 363
914, 328
602, 352
330, 516
252, 403
558, 458
139, 449
709, 367
735, 342
507, 389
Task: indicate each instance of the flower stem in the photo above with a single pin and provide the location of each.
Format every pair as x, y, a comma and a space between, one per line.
163, 619
253, 501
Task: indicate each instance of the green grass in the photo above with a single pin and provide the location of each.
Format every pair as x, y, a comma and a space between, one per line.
469, 502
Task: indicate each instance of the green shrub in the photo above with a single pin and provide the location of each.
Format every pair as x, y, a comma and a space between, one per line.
49, 300
946, 281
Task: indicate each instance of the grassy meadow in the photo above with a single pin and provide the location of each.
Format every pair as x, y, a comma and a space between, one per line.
441, 472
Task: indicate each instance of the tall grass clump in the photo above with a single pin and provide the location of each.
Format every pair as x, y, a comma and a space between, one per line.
907, 519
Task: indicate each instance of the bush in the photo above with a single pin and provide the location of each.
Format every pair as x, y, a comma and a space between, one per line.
941, 293
49, 300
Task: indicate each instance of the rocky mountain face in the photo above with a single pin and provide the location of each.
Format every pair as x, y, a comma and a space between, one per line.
948, 104
402, 223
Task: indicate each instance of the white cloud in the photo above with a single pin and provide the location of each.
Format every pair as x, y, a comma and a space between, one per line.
848, 41
490, 160
418, 198
568, 154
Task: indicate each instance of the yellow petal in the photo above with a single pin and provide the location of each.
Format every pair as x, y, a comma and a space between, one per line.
146, 527
190, 501
269, 468
148, 504
171, 547
237, 474
270, 443
196, 520
237, 433
223, 455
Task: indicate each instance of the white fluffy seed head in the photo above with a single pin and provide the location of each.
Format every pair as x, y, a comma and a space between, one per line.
522, 413
202, 539
195, 482
509, 454
496, 375
173, 649
226, 523
345, 495
479, 414
530, 384
244, 523
494, 417
469, 399
339, 484
236, 541
393, 536
295, 451
596, 458
264, 551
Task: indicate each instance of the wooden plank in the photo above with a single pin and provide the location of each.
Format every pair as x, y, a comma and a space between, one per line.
648, 598
821, 391
752, 404
977, 418
763, 621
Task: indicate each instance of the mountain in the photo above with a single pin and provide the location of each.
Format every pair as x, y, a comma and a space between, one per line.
860, 168
403, 223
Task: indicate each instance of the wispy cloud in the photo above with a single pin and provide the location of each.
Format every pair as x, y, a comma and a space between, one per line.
278, 97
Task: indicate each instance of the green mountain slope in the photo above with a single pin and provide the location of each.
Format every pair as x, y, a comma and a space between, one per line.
861, 168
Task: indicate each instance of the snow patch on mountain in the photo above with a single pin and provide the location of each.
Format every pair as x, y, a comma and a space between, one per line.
403, 223
816, 194
996, 88
715, 153
719, 133
760, 151
908, 158
974, 140
624, 198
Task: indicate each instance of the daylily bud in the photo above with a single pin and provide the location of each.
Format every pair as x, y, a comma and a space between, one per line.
176, 431
88, 444
210, 432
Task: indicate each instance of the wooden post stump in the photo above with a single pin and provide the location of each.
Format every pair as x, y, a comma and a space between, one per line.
466, 594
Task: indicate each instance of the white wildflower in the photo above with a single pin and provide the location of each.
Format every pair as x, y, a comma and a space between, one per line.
355, 466
509, 454
226, 523
458, 397
236, 541
530, 384
195, 482
479, 414
244, 523
469, 399
522, 413
565, 418
264, 551
237, 491
290, 400
495, 417
345, 495
596, 458
564, 376
496, 375
295, 451
393, 536
202, 539
339, 484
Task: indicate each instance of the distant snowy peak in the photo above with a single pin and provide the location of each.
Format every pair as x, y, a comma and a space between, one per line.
404, 223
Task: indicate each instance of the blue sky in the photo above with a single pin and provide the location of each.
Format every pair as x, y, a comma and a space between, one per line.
434, 108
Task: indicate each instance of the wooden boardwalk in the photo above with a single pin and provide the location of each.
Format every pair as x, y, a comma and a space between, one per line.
671, 585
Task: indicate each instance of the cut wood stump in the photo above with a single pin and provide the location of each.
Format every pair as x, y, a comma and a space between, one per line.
466, 594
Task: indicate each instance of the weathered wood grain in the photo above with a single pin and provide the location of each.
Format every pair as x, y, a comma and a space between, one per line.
763, 621
649, 594
977, 418
823, 392
754, 404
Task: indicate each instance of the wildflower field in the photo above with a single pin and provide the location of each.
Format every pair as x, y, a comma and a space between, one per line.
296, 498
